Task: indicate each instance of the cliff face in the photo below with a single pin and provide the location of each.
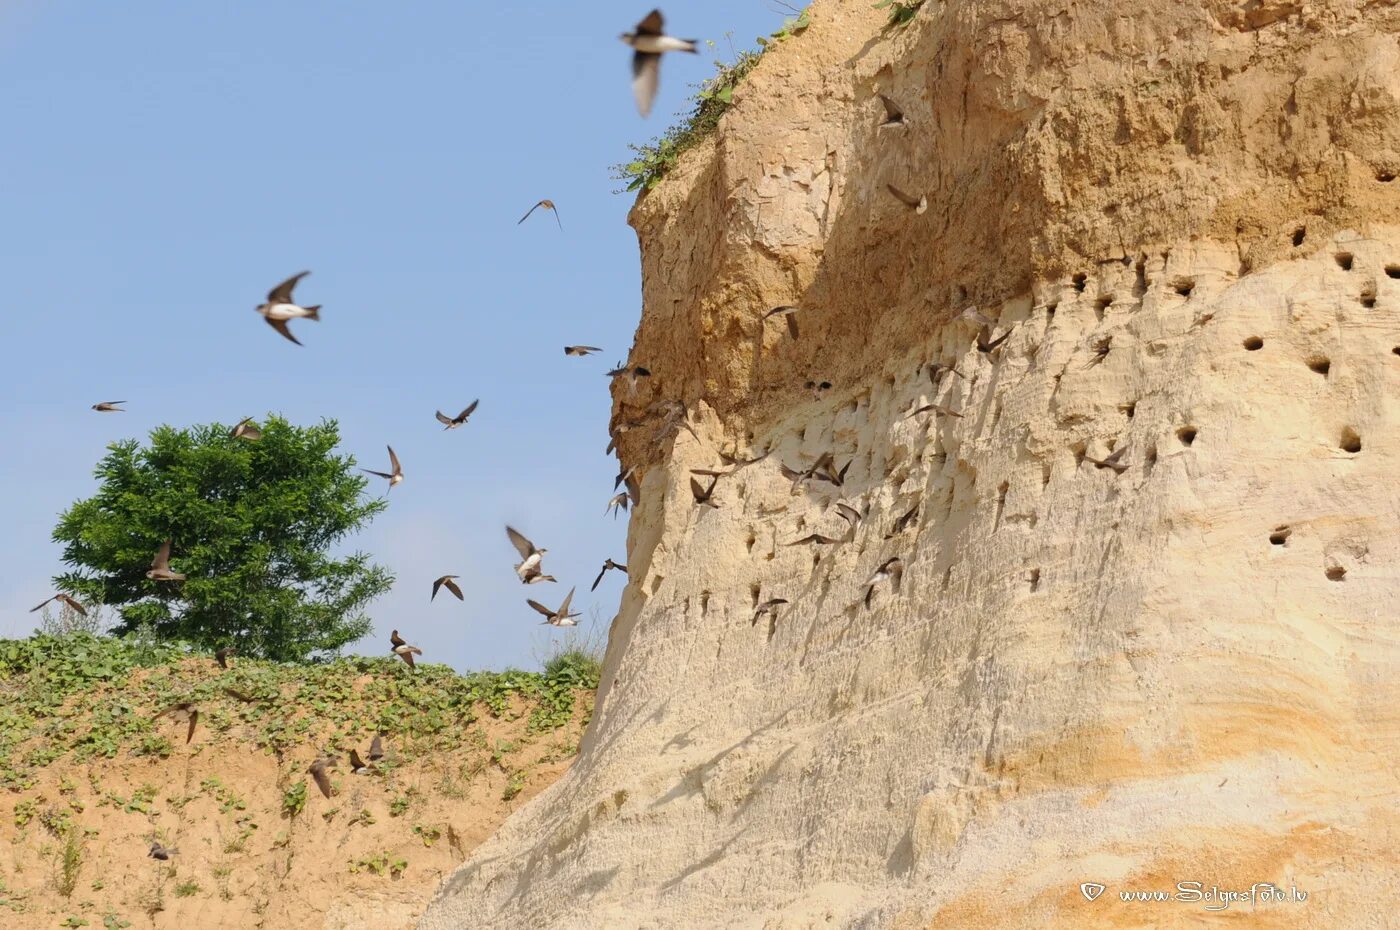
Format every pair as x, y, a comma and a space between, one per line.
1181, 215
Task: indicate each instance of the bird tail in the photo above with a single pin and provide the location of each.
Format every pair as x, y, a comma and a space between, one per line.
691, 46
314, 313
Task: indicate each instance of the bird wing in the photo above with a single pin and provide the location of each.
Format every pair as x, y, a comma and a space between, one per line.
564, 607
471, 408
162, 559
55, 597
699, 492
323, 781
355, 761
521, 544
907, 199
452, 586
792, 325
408, 657
555, 210
528, 212
396, 640
282, 293
540, 607
376, 749
891, 110
281, 327
222, 658
394, 461
599, 579
437, 584
194, 719
380, 474
443, 418
646, 77
851, 515
651, 25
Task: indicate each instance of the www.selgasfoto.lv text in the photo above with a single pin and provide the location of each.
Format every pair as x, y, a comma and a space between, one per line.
1215, 898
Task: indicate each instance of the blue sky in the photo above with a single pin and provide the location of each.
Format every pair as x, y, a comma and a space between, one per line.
166, 163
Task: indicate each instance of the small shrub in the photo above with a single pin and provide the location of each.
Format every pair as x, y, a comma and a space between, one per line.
294, 798
901, 11
187, 889
380, 864
70, 861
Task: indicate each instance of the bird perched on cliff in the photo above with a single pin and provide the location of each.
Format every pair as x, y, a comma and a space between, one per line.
222, 653
986, 344
789, 315
1114, 461
608, 566
649, 42
454, 422
580, 351
446, 582
531, 558
160, 852
394, 477
616, 504
894, 116
769, 607
186, 712
160, 566
245, 429
891, 570
320, 773
918, 204
925, 408
548, 205
280, 307
399, 647
560, 617
631, 374
64, 599
704, 496
109, 406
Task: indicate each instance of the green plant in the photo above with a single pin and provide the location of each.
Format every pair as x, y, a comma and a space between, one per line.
379, 864
26, 810
402, 802
901, 11
294, 798
110, 921
714, 96
251, 525
428, 834
514, 786
187, 889
71, 921
70, 861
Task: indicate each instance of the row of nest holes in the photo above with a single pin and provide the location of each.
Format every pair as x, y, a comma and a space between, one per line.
1279, 537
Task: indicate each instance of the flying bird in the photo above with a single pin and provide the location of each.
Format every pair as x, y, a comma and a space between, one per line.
1113, 461
67, 601
447, 582
631, 374
357, 765
160, 566
902, 523
580, 351
814, 539
985, 346
531, 558
616, 505
789, 315
459, 419
919, 203
320, 775
769, 607
704, 496
221, 655
894, 116
245, 430
109, 406
280, 307
607, 567
648, 42
975, 316
185, 710
935, 372
376, 749
161, 852
891, 570
560, 617
399, 647
849, 514
946, 411
548, 205
397, 474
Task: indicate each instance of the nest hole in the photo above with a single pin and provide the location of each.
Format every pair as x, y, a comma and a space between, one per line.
1336, 573
1187, 435
1034, 579
1050, 311
1129, 409
1385, 177
1351, 441
1184, 287
1320, 365
754, 590
1392, 271
1344, 260
1253, 344
1368, 300
1079, 281
1279, 537
1299, 235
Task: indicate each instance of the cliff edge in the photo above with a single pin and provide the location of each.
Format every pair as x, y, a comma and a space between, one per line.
1141, 629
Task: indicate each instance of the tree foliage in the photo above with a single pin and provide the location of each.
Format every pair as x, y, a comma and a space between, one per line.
251, 524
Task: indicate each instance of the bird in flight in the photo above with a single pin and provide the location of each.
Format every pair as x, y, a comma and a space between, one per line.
399, 647
631, 374
548, 205
530, 568
221, 655
946, 411
985, 344
376, 748
704, 496
397, 474
649, 41
185, 710
616, 504
447, 582
160, 566
161, 852
894, 116
919, 204
607, 566
580, 351
459, 419
892, 570
245, 430
560, 617
109, 406
769, 607
1113, 461
789, 315
66, 601
320, 775
280, 307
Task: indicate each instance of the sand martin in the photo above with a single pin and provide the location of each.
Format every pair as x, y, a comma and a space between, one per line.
769, 607
459, 419
560, 617
649, 41
789, 315
402, 649
183, 711
1113, 461
280, 308
894, 116
581, 350
320, 775
704, 496
616, 504
245, 430
919, 203
531, 558
396, 476
160, 566
221, 655
548, 205
631, 374
161, 852
376, 749
447, 582
65, 600
607, 566
985, 344
109, 406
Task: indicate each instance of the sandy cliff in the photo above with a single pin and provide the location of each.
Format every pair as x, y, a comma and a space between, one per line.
1183, 215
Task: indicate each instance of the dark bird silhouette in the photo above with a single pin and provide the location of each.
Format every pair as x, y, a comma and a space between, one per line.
891, 570
769, 607
221, 655
789, 315
357, 765
704, 496
186, 711
446, 582
616, 504
985, 344
1114, 461
649, 42
321, 775
631, 374
459, 419
894, 116
66, 601
947, 411
376, 748
393, 477
280, 307
608, 566
160, 852
918, 204
548, 205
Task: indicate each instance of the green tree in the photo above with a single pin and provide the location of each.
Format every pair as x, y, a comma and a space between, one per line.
251, 525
